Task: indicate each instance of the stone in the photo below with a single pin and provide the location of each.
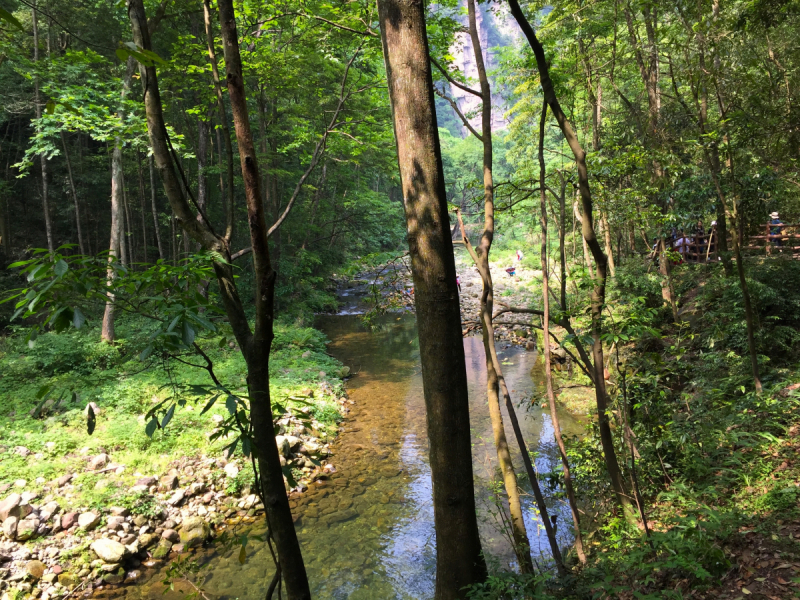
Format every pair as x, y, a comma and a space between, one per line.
27, 528
21, 451
98, 462
139, 489
167, 483
20, 483
140, 520
132, 576
69, 519
64, 480
8, 505
162, 550
194, 531
113, 578
68, 580
95, 408
171, 535
209, 497
48, 510
114, 523
231, 470
177, 498
147, 539
10, 527
119, 511
147, 481
198, 487
109, 551
88, 520
35, 568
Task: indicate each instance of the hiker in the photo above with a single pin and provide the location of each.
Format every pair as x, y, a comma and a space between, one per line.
682, 245
520, 256
776, 231
458, 283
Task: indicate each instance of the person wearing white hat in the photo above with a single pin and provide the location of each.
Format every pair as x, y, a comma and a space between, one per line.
776, 231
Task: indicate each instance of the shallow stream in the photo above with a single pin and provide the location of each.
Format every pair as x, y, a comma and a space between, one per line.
368, 532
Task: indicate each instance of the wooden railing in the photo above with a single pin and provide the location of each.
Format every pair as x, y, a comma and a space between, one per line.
777, 240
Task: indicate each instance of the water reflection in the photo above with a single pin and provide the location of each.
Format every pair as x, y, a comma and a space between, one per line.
368, 531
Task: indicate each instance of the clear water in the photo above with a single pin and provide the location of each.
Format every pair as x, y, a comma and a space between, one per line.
368, 532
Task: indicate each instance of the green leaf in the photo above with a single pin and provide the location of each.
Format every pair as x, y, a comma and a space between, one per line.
61, 267
230, 404
187, 334
242, 555
50, 107
151, 427
78, 318
43, 391
287, 472
209, 404
246, 446
146, 352
91, 420
9, 18
168, 417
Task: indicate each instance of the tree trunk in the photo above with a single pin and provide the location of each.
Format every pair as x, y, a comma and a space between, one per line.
48, 225
612, 269
255, 344
459, 561
74, 195
153, 206
223, 121
202, 164
548, 374
601, 262
141, 206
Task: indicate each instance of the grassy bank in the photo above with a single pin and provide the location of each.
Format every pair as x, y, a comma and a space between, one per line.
39, 446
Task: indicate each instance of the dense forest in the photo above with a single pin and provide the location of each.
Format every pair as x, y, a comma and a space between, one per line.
399, 300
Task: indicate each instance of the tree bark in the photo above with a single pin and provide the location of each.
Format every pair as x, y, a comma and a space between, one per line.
74, 195
459, 561
48, 224
548, 373
153, 206
601, 262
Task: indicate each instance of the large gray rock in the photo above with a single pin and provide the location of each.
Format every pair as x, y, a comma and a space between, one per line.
163, 548
109, 551
114, 523
64, 480
177, 498
8, 505
48, 510
99, 461
167, 483
26, 529
194, 531
10, 527
147, 539
88, 520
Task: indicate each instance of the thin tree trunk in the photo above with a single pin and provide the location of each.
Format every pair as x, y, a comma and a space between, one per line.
255, 344
612, 269
141, 205
74, 194
154, 208
223, 121
48, 225
548, 374
129, 245
601, 262
459, 561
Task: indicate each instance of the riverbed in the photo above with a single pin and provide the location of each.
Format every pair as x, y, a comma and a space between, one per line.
367, 532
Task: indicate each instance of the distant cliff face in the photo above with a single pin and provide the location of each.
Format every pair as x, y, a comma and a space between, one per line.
496, 29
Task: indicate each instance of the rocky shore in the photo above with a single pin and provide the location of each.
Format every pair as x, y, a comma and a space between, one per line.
52, 549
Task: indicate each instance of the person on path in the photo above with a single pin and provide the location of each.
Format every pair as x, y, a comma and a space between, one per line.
520, 256
699, 241
776, 231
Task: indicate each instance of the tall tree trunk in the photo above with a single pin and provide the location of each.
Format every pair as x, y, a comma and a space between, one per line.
115, 246
202, 164
612, 269
255, 344
74, 195
459, 561
548, 373
48, 224
154, 208
141, 206
223, 121
601, 262
481, 257
128, 239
